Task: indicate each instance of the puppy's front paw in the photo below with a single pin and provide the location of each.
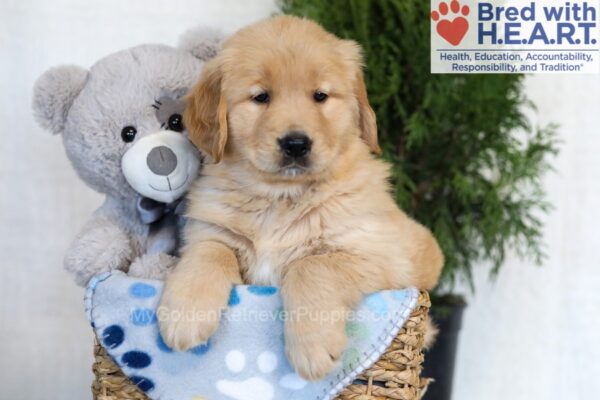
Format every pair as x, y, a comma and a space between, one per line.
313, 349
188, 321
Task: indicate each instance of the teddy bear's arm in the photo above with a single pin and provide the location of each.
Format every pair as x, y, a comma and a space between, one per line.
100, 246
152, 266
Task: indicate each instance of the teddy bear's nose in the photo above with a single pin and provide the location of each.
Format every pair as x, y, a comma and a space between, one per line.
161, 160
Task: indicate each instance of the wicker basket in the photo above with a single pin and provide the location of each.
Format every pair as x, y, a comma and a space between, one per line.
396, 376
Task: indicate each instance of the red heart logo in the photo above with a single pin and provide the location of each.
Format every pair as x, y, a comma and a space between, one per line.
453, 31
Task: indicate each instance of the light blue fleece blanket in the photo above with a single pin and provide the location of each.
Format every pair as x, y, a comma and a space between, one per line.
245, 359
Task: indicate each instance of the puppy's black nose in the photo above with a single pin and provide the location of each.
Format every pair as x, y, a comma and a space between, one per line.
295, 144
161, 160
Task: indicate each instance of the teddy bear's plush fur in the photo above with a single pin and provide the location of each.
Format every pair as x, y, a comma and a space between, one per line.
120, 129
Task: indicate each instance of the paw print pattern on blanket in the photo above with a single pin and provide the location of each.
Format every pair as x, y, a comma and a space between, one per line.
135, 360
245, 359
112, 338
255, 388
114, 335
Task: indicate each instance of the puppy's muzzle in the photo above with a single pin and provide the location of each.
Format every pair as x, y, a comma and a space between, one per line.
295, 146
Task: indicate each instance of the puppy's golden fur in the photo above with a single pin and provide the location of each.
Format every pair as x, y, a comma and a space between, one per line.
327, 231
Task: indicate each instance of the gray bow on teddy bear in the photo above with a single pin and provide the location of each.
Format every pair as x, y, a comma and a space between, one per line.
122, 130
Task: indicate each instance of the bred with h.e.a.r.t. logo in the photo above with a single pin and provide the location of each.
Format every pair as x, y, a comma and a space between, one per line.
498, 36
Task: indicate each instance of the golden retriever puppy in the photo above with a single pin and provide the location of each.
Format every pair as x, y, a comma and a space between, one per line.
293, 196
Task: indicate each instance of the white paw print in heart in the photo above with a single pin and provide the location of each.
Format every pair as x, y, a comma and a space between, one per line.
255, 388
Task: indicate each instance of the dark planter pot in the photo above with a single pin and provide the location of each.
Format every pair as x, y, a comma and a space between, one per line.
439, 360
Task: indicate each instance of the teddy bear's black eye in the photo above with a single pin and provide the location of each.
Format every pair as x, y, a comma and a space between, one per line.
128, 134
176, 123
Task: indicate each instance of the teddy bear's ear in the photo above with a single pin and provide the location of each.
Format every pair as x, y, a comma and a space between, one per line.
202, 42
54, 93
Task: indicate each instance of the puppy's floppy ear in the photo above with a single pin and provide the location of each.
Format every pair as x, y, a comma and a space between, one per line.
205, 116
368, 120
352, 55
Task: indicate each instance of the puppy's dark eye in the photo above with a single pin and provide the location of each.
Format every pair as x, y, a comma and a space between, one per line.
128, 134
262, 98
176, 123
320, 96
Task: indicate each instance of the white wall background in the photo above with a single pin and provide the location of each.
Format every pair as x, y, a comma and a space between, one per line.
532, 334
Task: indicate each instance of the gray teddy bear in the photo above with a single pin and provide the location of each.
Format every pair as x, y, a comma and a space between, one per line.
122, 130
